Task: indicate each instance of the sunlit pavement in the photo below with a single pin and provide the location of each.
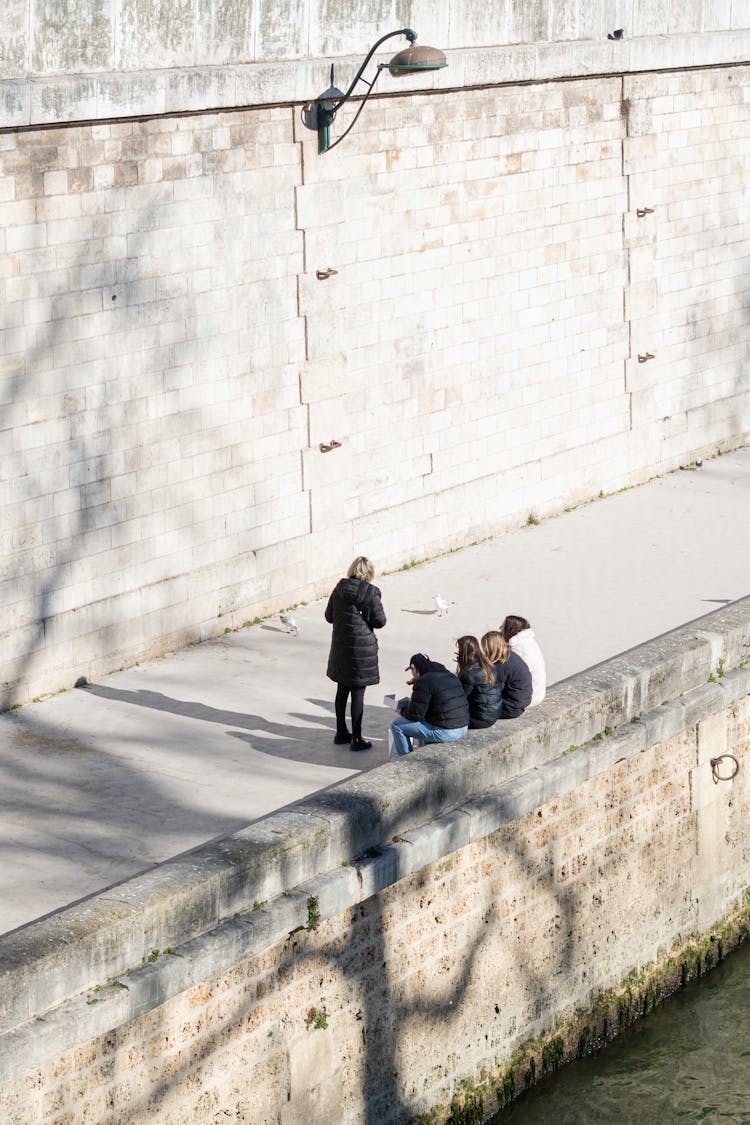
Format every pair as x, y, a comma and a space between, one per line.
98, 784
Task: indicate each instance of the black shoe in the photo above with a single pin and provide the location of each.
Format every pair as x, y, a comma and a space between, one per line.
360, 744
342, 737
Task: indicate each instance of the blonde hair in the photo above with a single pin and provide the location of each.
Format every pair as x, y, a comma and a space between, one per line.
361, 568
495, 647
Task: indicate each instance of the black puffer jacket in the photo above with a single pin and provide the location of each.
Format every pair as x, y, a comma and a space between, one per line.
438, 698
484, 699
514, 679
354, 609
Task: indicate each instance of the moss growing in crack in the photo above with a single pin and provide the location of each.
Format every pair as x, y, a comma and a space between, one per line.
467, 1107
507, 1089
316, 1018
313, 913
553, 1053
589, 1029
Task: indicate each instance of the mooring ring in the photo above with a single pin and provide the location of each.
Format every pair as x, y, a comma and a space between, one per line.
716, 765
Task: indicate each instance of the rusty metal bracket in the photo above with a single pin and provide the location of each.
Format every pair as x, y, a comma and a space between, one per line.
332, 444
645, 358
643, 211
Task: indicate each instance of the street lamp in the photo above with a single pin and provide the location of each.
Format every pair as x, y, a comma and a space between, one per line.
411, 60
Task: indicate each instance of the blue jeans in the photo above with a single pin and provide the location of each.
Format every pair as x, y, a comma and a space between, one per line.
403, 730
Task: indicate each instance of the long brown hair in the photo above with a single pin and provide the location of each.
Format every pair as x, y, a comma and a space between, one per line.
513, 624
495, 646
470, 652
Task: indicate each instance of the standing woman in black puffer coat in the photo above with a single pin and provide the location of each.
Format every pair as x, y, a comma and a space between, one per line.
355, 610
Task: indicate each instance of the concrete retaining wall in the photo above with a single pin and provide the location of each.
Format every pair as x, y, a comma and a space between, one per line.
357, 956
94, 61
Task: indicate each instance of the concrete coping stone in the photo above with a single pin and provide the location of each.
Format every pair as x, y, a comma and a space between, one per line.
50, 99
388, 812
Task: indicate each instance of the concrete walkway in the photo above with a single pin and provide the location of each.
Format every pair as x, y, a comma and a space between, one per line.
98, 784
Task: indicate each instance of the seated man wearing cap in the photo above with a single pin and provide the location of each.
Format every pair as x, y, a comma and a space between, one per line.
437, 710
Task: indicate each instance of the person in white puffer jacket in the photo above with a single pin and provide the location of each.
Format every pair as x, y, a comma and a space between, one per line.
520, 636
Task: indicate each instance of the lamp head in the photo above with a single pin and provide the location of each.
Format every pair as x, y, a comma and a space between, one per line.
414, 59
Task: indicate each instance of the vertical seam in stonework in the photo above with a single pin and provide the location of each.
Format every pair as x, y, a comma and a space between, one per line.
625, 114
305, 326
300, 184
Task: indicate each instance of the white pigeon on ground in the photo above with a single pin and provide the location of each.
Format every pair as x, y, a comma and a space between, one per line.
290, 623
442, 605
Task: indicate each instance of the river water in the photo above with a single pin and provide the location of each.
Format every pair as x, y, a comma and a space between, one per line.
687, 1061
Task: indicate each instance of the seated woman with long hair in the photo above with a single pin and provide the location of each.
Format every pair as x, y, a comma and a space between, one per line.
512, 675
479, 682
520, 636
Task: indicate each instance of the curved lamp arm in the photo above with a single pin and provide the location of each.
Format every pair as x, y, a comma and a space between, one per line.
410, 35
327, 113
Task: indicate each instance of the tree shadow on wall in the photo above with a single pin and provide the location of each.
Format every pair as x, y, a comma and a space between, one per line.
49, 547
114, 346
388, 983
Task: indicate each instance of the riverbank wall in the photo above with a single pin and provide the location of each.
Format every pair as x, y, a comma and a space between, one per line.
421, 941
229, 364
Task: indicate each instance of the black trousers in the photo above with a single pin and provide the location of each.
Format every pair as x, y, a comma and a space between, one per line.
358, 706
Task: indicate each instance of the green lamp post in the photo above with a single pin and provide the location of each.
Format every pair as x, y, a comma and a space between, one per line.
411, 60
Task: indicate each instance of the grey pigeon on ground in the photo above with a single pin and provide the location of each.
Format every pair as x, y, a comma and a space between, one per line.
290, 622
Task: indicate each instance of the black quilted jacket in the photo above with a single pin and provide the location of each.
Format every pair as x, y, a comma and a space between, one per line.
514, 679
354, 609
484, 699
438, 698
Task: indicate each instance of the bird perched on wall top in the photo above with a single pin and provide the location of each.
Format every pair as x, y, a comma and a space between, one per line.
442, 605
290, 623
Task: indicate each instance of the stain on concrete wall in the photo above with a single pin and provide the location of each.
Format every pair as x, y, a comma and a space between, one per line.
224, 32
283, 29
155, 33
64, 36
14, 38
70, 37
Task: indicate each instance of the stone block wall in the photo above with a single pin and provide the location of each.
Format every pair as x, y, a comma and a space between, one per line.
688, 260
375, 951
151, 425
459, 295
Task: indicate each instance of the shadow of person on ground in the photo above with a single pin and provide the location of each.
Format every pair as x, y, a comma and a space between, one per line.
304, 742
